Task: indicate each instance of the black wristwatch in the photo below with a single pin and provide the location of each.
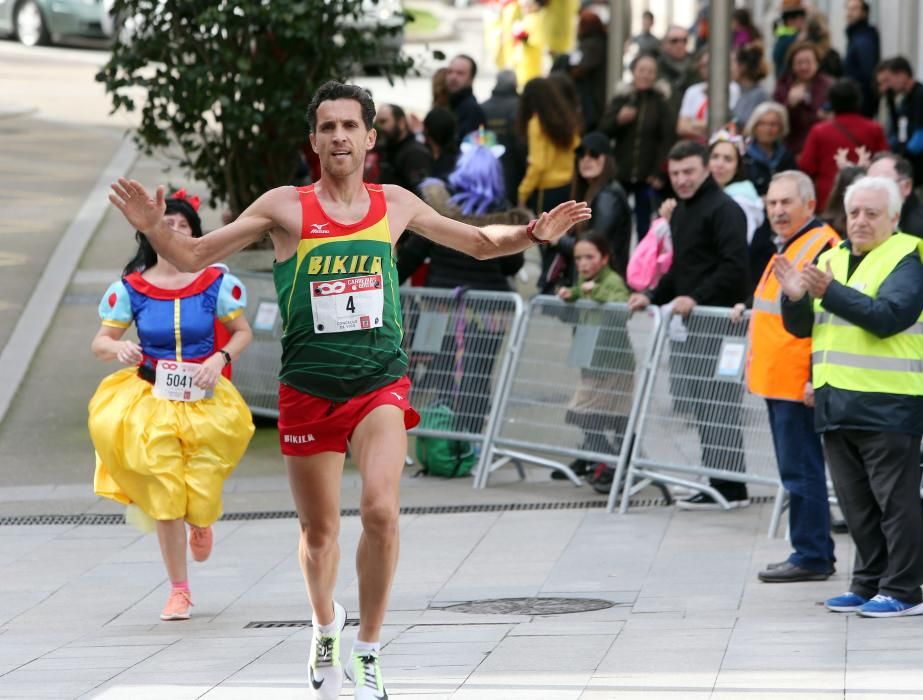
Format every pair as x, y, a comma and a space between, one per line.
227, 357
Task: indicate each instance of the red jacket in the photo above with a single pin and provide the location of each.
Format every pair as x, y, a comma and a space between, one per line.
847, 131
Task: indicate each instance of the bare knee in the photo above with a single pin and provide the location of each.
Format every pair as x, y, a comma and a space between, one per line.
319, 538
380, 518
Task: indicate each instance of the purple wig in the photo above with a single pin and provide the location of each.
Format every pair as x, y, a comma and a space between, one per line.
477, 180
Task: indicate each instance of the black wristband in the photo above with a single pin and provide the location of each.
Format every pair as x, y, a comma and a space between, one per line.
227, 357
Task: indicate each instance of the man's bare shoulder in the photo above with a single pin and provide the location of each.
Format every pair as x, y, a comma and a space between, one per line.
395, 194
280, 196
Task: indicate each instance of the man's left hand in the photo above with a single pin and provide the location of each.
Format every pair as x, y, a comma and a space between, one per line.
816, 281
683, 306
555, 223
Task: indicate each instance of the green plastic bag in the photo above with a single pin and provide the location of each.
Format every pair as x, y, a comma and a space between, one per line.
439, 456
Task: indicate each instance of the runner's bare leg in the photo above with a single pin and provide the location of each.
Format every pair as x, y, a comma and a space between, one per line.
378, 446
315, 484
171, 534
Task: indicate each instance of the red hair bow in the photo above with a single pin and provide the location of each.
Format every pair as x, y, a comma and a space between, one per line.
194, 200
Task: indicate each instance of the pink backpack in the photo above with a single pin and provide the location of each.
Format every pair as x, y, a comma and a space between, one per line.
652, 258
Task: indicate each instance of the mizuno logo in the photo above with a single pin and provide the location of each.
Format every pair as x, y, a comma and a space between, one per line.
397, 396
320, 229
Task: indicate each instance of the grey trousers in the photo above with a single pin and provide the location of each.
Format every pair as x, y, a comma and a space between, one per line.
877, 480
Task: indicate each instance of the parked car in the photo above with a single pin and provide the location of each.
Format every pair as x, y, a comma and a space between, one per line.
36, 22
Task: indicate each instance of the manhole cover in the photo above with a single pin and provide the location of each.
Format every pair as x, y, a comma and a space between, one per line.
530, 606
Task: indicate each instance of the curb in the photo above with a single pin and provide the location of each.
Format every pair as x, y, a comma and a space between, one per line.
39, 311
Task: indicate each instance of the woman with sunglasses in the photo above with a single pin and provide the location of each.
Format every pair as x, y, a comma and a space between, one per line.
595, 184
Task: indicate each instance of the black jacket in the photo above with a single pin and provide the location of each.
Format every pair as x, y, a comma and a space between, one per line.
912, 216
895, 308
500, 112
450, 268
612, 218
468, 112
710, 257
862, 55
406, 163
641, 145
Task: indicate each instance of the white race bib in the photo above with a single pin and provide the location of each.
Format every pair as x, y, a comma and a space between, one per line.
173, 381
353, 304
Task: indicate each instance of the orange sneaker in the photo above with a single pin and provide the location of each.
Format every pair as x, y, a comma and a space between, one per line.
201, 540
177, 607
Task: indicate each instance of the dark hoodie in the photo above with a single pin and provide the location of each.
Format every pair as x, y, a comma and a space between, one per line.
500, 111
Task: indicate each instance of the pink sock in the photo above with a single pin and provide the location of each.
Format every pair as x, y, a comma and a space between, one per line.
180, 585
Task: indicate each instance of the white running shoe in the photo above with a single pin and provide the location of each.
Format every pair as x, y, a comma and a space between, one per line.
324, 668
365, 671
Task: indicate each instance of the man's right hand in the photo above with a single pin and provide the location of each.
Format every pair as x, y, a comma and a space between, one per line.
667, 207
789, 278
638, 302
737, 313
136, 205
809, 395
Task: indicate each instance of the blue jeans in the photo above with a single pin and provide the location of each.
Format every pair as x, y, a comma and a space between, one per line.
801, 467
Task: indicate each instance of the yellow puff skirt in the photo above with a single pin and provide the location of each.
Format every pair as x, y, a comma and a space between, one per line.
170, 458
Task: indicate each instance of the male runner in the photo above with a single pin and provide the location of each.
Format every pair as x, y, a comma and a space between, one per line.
342, 377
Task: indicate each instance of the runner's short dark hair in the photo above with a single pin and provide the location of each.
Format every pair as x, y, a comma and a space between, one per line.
334, 90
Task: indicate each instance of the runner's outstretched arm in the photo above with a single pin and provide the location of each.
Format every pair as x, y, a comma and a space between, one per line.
190, 254
410, 212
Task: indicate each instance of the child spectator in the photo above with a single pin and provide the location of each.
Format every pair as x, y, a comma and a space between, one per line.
603, 398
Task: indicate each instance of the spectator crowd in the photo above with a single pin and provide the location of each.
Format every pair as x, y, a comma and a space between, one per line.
791, 210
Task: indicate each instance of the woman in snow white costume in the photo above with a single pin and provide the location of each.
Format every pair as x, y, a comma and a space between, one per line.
169, 428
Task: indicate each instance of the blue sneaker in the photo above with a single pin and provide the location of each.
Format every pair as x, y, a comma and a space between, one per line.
848, 602
886, 606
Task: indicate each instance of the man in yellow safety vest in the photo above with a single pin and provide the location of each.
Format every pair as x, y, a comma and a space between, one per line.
862, 306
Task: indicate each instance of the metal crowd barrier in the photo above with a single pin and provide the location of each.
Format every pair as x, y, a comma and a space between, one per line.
696, 418
574, 387
457, 342
256, 371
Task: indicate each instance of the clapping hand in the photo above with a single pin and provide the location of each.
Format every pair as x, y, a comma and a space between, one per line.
816, 281
555, 223
789, 278
136, 205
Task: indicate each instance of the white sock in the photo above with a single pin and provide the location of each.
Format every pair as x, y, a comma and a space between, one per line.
359, 647
329, 630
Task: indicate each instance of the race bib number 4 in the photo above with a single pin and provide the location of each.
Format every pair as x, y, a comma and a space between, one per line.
353, 304
173, 382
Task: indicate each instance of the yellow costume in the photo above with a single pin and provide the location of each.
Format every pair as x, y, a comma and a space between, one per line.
529, 47
170, 458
